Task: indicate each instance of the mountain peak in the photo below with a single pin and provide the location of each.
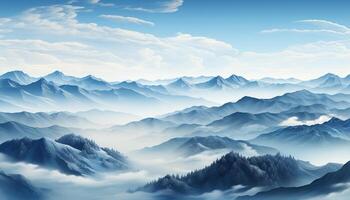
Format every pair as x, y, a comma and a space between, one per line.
39, 83
329, 75
91, 77
218, 78
16, 72
42, 81
217, 81
180, 83
78, 142
334, 121
18, 76
237, 80
299, 92
56, 74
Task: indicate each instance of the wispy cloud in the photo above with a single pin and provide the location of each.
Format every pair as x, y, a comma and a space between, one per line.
319, 26
327, 24
93, 2
278, 30
158, 6
129, 52
124, 19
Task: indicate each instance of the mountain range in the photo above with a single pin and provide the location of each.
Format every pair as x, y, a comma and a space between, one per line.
205, 115
14, 130
334, 132
42, 119
57, 91
189, 146
22, 91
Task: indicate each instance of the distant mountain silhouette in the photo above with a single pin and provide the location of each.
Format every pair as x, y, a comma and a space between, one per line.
42, 119
188, 146
13, 130
333, 132
204, 115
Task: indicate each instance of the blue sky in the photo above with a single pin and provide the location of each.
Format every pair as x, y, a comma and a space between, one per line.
168, 38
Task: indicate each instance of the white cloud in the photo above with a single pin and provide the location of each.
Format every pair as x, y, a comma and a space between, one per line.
94, 1
327, 24
131, 53
294, 121
277, 30
124, 19
321, 26
56, 39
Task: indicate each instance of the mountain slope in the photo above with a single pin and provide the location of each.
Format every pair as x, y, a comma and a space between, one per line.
17, 187
110, 117
180, 85
144, 125
333, 132
332, 182
232, 169
69, 154
59, 78
214, 84
204, 115
19, 77
42, 119
188, 146
11, 130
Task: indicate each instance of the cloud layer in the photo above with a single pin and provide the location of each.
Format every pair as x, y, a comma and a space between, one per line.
42, 39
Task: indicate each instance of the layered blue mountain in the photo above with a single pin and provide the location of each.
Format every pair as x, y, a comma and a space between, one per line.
110, 117
17, 187
240, 123
42, 119
88, 82
42, 94
60, 78
13, 93
19, 77
237, 80
179, 85
143, 89
204, 115
189, 146
323, 81
215, 83
335, 132
91, 83
56, 91
144, 125
232, 169
70, 154
12, 130
162, 94
331, 183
